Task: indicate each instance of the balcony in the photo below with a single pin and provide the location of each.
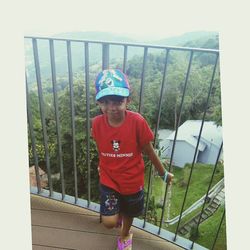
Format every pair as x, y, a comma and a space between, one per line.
63, 160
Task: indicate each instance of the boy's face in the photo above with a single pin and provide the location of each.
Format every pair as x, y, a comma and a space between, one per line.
113, 106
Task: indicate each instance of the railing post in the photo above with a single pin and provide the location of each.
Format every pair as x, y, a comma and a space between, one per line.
208, 189
125, 57
105, 56
58, 131
197, 145
143, 79
217, 233
156, 131
42, 113
33, 139
72, 108
86, 52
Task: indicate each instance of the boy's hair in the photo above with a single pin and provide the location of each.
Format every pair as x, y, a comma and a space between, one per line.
111, 82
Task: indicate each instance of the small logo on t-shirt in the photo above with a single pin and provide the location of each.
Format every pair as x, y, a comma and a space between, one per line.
116, 145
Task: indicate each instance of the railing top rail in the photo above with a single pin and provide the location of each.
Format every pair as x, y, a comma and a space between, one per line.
129, 44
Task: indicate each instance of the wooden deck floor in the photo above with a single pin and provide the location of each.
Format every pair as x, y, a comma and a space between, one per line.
57, 225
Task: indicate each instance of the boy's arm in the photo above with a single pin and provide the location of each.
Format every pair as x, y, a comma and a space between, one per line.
153, 157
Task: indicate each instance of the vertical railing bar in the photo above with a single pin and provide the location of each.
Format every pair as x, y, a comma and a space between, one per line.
162, 91
33, 139
217, 233
143, 79
162, 214
204, 114
58, 132
125, 57
105, 56
86, 48
72, 108
197, 145
156, 130
208, 189
41, 106
176, 132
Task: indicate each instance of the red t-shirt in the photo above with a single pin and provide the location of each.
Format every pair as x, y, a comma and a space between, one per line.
120, 151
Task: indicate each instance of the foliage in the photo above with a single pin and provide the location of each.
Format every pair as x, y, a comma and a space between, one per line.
151, 213
66, 136
208, 230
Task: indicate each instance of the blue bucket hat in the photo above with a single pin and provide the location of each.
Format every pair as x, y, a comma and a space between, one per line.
111, 82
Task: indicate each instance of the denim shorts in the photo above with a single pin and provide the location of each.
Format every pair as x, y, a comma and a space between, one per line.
113, 202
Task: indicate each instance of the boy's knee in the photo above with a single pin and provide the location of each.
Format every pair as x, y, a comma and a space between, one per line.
109, 221
109, 225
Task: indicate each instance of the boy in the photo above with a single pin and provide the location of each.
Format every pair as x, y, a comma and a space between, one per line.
121, 137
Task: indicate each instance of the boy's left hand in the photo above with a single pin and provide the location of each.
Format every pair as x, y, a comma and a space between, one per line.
170, 178
167, 177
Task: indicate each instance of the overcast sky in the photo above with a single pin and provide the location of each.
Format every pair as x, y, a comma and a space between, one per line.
149, 19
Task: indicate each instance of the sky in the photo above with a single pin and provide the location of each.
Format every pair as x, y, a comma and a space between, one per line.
149, 18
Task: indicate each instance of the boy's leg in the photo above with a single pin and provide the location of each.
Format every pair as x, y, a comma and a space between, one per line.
131, 206
125, 230
110, 206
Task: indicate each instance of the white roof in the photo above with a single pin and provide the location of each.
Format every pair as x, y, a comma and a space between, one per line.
189, 131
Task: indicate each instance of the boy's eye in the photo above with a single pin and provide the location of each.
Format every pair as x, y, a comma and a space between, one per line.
118, 102
103, 102
107, 102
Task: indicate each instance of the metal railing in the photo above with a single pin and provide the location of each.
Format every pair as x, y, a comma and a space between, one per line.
105, 63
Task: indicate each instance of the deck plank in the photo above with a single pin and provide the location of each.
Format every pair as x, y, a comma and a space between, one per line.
57, 225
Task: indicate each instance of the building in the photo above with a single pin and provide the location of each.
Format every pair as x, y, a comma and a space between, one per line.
186, 142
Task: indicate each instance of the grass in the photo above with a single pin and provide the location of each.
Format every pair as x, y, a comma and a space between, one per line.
208, 230
199, 181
